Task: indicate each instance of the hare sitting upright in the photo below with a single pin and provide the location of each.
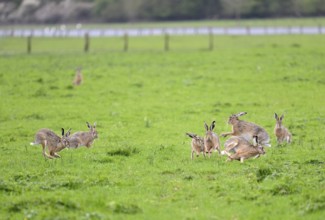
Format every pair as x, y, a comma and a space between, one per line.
211, 139
53, 142
78, 77
244, 149
83, 138
197, 145
247, 130
281, 133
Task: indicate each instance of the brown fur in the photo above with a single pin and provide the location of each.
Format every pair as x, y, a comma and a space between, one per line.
211, 139
197, 145
245, 150
247, 129
53, 142
83, 138
282, 134
78, 78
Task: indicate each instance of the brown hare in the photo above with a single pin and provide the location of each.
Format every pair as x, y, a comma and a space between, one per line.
232, 144
247, 130
281, 133
83, 138
244, 149
78, 78
197, 145
211, 139
53, 142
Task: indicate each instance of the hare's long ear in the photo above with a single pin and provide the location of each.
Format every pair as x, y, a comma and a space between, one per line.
275, 116
241, 113
88, 125
68, 133
206, 126
255, 141
191, 135
282, 116
95, 124
62, 131
212, 125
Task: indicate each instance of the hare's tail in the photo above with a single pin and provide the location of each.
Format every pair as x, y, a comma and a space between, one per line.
32, 143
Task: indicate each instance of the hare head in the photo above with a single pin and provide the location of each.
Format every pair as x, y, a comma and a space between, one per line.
233, 118
92, 130
278, 120
209, 130
258, 146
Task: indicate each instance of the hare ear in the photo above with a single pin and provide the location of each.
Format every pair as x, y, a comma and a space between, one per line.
212, 125
275, 116
206, 126
255, 141
241, 113
282, 116
68, 133
88, 125
62, 131
95, 124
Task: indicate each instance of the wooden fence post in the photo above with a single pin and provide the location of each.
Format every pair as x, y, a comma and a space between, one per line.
86, 48
126, 42
166, 42
29, 44
210, 39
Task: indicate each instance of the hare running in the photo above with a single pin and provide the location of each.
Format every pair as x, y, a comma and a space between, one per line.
211, 139
53, 142
247, 129
83, 138
197, 145
78, 78
244, 149
281, 133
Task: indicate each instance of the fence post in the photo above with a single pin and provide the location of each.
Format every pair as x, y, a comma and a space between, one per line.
126, 42
29, 44
248, 30
166, 42
86, 48
210, 39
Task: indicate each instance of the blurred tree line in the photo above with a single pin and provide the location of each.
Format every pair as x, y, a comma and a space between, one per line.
160, 10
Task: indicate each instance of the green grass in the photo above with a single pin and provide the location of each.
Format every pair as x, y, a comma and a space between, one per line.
144, 101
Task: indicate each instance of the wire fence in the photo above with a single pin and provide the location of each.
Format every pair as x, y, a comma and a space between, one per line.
84, 35
62, 32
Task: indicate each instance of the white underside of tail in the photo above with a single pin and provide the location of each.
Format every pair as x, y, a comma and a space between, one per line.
32, 143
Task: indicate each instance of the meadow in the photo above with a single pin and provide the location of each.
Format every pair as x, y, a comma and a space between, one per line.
144, 101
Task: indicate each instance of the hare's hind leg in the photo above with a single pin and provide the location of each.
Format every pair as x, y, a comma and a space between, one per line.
44, 151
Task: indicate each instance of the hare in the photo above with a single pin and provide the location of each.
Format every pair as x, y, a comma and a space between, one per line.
232, 144
197, 145
83, 138
281, 133
247, 130
53, 142
211, 139
244, 149
78, 78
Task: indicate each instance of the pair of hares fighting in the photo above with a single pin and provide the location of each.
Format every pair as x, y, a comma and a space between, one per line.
248, 139
54, 143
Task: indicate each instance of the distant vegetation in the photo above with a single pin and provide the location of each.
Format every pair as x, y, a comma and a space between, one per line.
153, 10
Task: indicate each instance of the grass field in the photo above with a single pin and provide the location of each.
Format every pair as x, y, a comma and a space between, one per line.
144, 101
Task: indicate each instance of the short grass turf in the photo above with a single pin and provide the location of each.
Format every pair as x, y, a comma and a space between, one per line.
144, 101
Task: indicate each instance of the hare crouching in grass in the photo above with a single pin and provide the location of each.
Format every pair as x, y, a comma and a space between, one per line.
281, 133
247, 130
197, 145
77, 78
83, 138
53, 142
247, 150
211, 139
232, 144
